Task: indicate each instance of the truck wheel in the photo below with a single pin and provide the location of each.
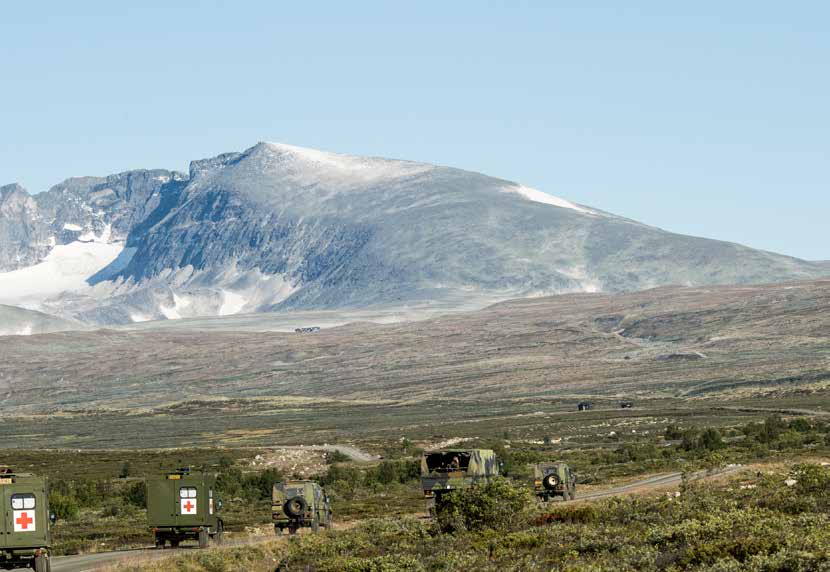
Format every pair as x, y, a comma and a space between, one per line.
159, 542
219, 537
203, 538
42, 563
174, 543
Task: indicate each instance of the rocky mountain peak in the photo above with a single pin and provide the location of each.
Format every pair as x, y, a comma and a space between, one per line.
278, 227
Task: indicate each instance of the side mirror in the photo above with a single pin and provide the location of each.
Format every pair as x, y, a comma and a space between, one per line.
53, 518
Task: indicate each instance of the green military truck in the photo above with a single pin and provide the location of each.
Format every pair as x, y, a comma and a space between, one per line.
25, 521
181, 505
554, 479
296, 504
447, 470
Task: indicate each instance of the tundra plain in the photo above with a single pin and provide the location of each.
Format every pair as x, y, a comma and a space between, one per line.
718, 353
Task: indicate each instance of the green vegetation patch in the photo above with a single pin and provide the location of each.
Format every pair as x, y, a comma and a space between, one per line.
775, 521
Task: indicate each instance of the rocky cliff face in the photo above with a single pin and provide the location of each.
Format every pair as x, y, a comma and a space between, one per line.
77, 209
23, 237
280, 227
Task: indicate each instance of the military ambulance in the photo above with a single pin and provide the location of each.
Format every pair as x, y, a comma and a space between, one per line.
299, 503
182, 505
25, 522
448, 470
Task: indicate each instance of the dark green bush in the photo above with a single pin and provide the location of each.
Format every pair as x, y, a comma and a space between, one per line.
498, 505
135, 494
336, 456
65, 507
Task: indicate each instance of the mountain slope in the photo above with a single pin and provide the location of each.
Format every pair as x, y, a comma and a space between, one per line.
663, 342
280, 227
21, 322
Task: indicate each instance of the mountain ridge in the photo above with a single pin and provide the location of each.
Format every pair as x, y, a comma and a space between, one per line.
278, 227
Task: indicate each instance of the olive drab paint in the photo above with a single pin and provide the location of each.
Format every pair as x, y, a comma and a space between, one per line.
297, 504
25, 525
176, 504
554, 479
451, 469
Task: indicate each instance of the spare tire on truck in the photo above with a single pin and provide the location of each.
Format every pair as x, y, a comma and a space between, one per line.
550, 482
295, 507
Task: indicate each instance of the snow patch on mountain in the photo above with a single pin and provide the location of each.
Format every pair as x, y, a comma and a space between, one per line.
136, 318
303, 166
180, 306
232, 303
66, 269
544, 198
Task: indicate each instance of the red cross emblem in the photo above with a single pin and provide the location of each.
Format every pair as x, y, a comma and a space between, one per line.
24, 520
188, 506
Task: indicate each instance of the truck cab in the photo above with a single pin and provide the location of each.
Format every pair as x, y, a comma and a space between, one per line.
183, 505
448, 470
299, 503
25, 521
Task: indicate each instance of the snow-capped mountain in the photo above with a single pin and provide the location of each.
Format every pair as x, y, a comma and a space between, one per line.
279, 227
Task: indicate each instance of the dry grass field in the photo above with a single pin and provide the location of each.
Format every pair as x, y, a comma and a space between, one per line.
521, 364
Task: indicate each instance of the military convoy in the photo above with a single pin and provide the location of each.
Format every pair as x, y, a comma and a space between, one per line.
181, 506
299, 503
25, 521
552, 480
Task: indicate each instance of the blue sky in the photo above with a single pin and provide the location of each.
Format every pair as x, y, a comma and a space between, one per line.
706, 118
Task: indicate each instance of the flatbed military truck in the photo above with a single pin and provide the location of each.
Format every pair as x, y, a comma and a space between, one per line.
552, 480
448, 470
25, 521
182, 505
299, 503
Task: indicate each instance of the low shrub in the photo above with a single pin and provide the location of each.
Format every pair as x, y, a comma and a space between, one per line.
497, 505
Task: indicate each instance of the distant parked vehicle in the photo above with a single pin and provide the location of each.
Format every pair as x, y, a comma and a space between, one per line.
181, 506
584, 405
554, 479
626, 404
299, 503
310, 330
25, 521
